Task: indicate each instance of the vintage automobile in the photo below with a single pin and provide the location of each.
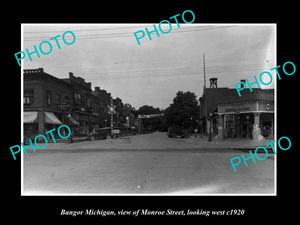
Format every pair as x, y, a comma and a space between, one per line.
100, 133
177, 131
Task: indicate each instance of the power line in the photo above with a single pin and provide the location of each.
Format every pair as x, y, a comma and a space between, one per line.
184, 69
81, 30
126, 34
157, 75
114, 28
162, 73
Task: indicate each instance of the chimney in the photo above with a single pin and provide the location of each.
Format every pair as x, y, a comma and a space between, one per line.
244, 81
213, 82
97, 89
70, 74
40, 70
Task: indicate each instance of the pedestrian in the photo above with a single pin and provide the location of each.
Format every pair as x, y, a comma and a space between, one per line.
196, 132
47, 134
71, 136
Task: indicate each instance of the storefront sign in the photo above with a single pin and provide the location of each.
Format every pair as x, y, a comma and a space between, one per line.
236, 109
116, 131
63, 106
251, 107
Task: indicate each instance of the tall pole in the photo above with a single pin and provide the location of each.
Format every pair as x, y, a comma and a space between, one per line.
204, 95
111, 117
204, 86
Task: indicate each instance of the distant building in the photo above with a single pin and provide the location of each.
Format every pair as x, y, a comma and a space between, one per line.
231, 116
104, 99
86, 105
50, 102
118, 116
129, 114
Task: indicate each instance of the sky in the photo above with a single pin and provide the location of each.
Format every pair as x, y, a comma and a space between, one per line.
108, 56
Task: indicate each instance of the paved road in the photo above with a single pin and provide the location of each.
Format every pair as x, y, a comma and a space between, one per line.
148, 171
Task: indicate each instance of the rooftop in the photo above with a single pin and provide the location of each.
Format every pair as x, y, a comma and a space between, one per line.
39, 74
215, 96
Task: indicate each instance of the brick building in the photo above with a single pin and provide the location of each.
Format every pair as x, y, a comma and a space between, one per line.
49, 102
104, 99
42, 94
82, 108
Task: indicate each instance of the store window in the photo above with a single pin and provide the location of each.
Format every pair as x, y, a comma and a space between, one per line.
48, 97
67, 99
58, 99
88, 102
28, 97
77, 97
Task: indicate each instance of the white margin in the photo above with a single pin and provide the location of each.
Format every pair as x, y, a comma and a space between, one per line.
97, 194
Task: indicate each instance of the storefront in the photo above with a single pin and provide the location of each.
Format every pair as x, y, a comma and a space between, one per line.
87, 122
253, 120
38, 122
223, 114
30, 122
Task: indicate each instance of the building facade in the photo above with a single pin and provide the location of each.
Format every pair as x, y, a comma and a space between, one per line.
84, 105
104, 99
226, 115
49, 102
42, 95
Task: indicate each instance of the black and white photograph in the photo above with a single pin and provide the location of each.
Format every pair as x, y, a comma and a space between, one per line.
149, 113
171, 108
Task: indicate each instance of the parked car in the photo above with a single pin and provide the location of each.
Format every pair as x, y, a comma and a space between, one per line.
177, 132
100, 133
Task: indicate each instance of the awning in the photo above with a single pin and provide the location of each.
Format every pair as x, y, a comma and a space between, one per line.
50, 118
30, 117
72, 120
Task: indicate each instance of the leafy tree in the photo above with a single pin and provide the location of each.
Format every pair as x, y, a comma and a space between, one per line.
147, 110
184, 111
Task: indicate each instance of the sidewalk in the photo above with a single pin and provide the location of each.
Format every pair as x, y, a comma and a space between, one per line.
159, 140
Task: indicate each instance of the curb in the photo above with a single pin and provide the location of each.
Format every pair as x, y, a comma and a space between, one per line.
251, 149
187, 150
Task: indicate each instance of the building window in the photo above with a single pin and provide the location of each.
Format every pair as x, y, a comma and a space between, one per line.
83, 99
28, 97
77, 97
89, 102
67, 99
58, 98
101, 107
48, 95
96, 107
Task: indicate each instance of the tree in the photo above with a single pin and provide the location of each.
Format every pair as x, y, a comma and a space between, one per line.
184, 111
147, 110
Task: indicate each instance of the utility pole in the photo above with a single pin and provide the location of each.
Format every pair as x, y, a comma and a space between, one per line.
204, 95
111, 117
204, 86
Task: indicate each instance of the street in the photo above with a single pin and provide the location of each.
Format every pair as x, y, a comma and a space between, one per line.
168, 166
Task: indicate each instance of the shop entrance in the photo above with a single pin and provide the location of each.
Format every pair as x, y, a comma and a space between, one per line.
238, 125
267, 125
229, 125
246, 125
